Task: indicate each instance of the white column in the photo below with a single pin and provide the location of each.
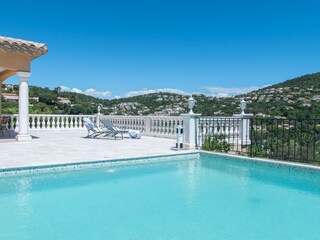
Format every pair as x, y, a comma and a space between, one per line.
189, 130
23, 107
98, 116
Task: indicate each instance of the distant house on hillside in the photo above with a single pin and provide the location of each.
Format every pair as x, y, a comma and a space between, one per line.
316, 98
10, 97
262, 115
63, 100
36, 99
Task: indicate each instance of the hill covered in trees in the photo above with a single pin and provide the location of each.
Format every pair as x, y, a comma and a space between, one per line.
296, 98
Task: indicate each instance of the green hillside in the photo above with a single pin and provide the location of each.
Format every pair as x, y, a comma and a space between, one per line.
306, 81
295, 98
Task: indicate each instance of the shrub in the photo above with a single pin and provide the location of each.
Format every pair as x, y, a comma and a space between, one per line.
216, 143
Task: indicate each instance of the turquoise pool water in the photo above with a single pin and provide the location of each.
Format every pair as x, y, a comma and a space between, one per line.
200, 198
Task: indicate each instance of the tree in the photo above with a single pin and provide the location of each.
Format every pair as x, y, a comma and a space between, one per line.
47, 98
57, 90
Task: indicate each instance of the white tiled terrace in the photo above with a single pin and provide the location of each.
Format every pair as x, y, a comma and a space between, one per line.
59, 147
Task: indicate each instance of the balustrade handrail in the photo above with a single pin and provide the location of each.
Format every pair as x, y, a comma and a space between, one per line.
63, 115
143, 117
218, 117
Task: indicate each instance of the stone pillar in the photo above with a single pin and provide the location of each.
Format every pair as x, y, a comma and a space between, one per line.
244, 128
23, 107
190, 130
99, 116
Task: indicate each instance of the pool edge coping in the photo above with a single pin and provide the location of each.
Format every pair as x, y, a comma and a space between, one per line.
79, 164
266, 161
5, 171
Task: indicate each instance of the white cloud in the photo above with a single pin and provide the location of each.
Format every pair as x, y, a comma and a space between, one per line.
222, 95
76, 90
211, 91
94, 93
65, 89
90, 92
147, 91
227, 92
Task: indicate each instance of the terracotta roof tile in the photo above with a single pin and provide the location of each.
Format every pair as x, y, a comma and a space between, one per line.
13, 45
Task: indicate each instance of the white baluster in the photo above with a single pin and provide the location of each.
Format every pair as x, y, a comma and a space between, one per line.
72, 122
33, 124
11, 122
17, 124
42, 122
58, 122
76, 122
48, 122
159, 126
67, 122
54, 122
154, 126
36, 123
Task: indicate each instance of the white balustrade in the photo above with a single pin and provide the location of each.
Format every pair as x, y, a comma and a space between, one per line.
156, 126
50, 121
14, 120
234, 129
227, 126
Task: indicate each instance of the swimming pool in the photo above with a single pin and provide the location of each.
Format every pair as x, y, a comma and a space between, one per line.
197, 197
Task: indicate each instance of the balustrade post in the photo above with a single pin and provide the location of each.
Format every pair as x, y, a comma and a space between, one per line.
98, 117
189, 130
244, 128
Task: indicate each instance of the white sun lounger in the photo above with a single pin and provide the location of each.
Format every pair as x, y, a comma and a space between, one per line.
115, 130
91, 127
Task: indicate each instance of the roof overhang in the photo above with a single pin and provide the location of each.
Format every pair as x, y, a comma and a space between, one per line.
22, 47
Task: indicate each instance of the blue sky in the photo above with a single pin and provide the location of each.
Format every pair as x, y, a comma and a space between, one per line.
121, 48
